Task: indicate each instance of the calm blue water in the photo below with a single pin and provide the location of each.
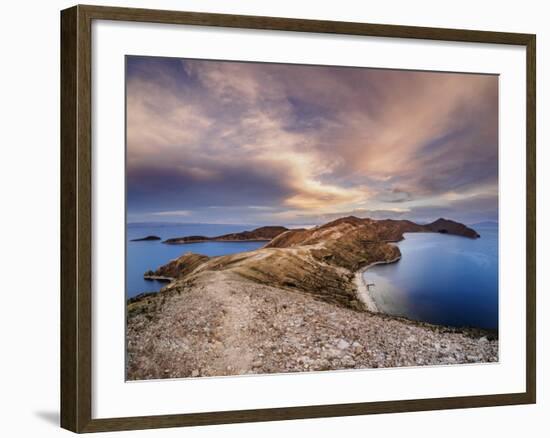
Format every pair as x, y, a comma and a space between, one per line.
143, 256
441, 279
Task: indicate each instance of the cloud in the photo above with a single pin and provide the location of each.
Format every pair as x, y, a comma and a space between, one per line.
306, 140
394, 195
468, 209
172, 213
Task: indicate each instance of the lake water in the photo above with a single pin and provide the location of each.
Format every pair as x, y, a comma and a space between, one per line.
441, 279
149, 255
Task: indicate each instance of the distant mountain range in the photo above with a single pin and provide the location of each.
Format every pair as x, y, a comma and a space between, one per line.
267, 233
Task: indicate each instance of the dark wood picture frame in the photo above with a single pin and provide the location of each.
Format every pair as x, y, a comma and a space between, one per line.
76, 218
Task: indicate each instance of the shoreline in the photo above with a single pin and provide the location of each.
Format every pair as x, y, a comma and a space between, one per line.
363, 291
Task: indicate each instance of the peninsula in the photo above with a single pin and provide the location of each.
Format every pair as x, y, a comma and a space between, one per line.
295, 304
257, 235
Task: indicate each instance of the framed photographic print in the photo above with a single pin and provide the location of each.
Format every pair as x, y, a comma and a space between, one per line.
269, 218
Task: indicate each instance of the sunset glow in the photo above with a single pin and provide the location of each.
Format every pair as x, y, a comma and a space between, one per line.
255, 143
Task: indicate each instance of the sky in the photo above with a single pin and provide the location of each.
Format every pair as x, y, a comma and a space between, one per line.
281, 144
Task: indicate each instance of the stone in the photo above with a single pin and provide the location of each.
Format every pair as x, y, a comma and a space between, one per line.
342, 344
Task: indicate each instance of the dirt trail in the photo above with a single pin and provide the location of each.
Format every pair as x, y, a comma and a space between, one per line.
233, 354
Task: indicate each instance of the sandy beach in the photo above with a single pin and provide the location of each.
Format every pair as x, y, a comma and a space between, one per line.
363, 292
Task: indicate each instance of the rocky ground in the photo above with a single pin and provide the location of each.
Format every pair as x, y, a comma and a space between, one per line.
224, 324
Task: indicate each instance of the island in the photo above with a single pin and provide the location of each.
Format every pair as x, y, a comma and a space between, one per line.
262, 234
296, 304
146, 238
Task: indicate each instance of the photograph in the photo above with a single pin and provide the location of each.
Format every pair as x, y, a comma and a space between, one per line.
285, 218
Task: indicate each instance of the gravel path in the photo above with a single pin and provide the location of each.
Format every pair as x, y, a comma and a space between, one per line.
222, 324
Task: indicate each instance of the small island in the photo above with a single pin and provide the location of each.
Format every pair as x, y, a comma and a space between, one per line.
146, 238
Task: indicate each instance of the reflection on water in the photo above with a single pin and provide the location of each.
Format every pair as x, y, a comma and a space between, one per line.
441, 279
